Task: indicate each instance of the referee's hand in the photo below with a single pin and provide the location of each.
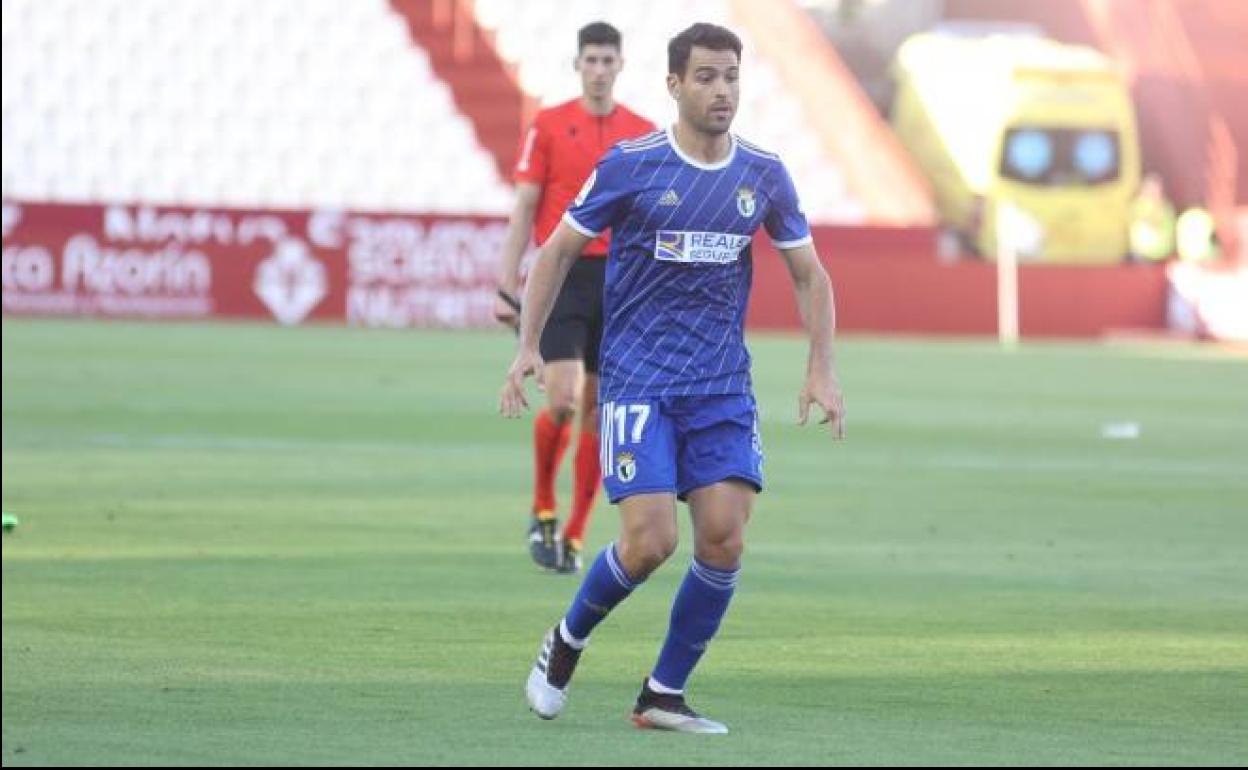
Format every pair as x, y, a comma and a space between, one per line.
507, 309
512, 401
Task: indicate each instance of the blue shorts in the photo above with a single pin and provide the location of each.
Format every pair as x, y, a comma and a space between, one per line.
678, 444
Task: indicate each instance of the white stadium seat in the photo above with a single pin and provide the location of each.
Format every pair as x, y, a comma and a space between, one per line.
321, 102
232, 102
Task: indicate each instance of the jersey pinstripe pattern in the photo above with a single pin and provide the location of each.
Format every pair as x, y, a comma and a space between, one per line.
680, 265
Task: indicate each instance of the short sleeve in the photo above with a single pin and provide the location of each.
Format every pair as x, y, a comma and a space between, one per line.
603, 198
786, 222
533, 161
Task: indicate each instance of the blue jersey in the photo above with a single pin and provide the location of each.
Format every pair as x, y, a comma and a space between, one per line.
680, 264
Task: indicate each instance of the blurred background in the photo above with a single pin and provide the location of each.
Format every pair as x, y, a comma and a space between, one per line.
350, 162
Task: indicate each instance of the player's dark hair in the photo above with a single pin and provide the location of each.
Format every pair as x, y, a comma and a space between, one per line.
598, 33
702, 35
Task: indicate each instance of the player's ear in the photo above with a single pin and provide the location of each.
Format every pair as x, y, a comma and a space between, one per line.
673, 85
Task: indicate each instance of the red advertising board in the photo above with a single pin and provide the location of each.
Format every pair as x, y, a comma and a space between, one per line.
175, 262
439, 271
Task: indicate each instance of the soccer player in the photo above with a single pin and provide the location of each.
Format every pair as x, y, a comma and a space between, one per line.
679, 420
556, 156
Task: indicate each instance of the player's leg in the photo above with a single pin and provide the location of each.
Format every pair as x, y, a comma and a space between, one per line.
647, 537
720, 513
638, 453
719, 473
587, 476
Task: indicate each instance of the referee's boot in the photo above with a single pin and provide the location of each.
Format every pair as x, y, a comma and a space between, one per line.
544, 541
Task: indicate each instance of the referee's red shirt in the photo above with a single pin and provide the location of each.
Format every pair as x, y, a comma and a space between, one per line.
561, 149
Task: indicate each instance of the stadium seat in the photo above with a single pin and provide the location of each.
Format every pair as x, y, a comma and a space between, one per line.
229, 102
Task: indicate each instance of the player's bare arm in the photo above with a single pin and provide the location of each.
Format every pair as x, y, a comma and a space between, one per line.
818, 308
549, 271
507, 303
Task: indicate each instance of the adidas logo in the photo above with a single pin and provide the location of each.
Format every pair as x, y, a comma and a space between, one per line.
670, 198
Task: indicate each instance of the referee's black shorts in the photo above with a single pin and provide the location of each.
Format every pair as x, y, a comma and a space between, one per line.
574, 330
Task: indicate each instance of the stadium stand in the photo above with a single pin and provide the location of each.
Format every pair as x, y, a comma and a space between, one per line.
280, 104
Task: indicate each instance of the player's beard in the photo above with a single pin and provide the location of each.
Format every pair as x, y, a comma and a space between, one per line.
716, 126
712, 127
704, 123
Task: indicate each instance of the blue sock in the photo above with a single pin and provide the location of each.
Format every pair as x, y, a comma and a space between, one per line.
699, 607
606, 584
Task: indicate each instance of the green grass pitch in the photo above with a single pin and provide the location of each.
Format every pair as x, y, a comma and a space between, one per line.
252, 545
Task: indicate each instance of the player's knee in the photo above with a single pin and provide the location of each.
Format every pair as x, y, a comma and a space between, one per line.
643, 555
721, 550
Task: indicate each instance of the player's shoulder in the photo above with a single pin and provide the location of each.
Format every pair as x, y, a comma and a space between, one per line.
753, 150
647, 142
767, 165
624, 158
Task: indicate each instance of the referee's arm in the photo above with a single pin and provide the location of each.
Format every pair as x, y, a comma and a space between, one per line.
519, 230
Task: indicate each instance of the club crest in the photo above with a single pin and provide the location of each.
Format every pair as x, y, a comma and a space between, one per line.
745, 202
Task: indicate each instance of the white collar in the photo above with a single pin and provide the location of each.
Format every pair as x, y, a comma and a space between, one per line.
732, 152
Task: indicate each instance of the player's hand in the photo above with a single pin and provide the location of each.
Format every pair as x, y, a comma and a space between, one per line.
824, 390
512, 401
507, 309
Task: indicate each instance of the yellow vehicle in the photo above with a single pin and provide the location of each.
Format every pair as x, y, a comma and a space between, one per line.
1011, 127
